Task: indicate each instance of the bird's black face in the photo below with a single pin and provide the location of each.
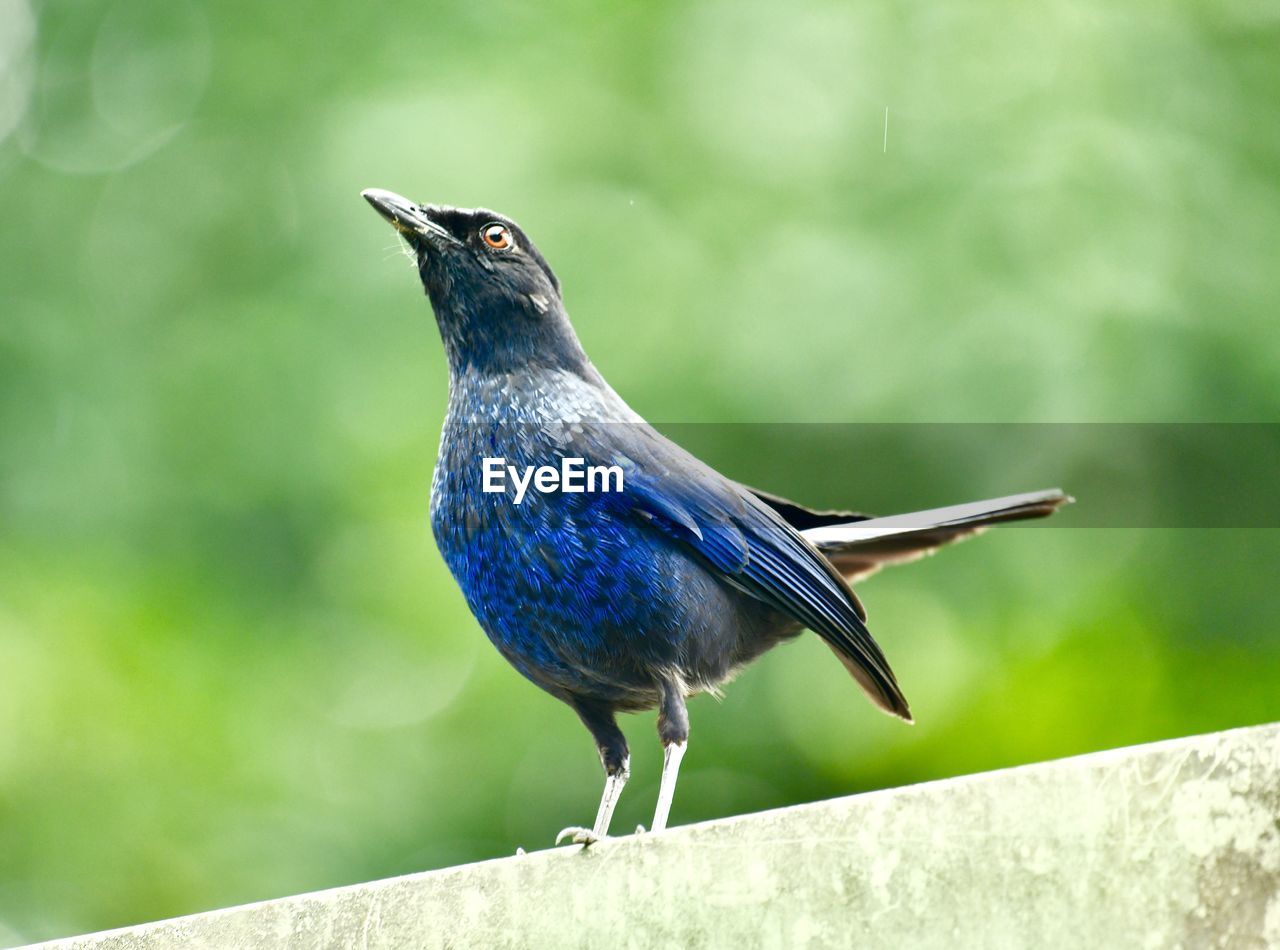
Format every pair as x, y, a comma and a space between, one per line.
470, 258
495, 298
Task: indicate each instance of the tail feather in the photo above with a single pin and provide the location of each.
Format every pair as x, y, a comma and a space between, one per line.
859, 546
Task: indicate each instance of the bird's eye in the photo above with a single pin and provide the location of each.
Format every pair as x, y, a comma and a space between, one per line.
497, 236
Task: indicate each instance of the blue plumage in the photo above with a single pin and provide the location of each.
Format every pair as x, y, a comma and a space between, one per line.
585, 594
618, 601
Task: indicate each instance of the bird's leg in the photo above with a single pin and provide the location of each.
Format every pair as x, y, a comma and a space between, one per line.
673, 730
672, 754
616, 760
613, 784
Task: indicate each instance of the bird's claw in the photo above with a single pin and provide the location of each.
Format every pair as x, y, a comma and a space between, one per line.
640, 830
577, 835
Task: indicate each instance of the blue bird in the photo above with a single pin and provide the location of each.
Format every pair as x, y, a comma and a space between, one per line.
623, 600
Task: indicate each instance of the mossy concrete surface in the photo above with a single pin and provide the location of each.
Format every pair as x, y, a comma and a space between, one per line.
1175, 844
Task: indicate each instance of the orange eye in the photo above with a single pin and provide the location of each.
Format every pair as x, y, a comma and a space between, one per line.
497, 236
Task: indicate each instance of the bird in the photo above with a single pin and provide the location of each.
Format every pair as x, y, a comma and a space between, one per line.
617, 601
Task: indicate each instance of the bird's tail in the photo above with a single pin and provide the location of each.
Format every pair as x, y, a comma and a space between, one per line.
859, 547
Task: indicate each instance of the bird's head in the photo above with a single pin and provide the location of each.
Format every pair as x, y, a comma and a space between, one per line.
494, 295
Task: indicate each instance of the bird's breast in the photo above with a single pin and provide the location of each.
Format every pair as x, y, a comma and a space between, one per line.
579, 591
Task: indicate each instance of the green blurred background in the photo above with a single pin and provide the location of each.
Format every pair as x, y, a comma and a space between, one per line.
232, 664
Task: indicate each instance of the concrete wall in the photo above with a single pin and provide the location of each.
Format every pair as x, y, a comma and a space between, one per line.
1175, 844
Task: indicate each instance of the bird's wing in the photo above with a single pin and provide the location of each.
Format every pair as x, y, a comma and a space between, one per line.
753, 547
859, 546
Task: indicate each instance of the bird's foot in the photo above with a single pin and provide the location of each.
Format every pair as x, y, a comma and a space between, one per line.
640, 830
577, 835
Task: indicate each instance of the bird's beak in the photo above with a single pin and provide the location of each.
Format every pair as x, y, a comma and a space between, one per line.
411, 220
